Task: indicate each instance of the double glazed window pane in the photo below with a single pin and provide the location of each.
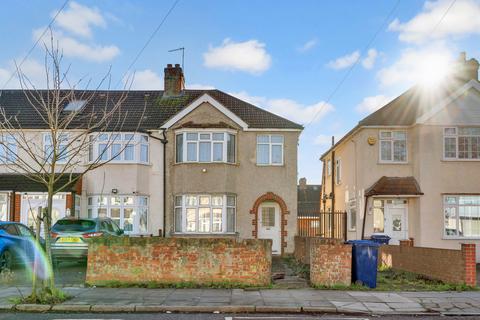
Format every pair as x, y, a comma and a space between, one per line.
116, 151
277, 154
217, 220
179, 148
217, 151
191, 220
129, 152
205, 147
386, 150
231, 148
143, 153
191, 151
204, 219
400, 151
263, 154
205, 152
450, 147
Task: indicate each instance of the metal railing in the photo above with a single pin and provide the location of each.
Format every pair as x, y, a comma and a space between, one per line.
330, 225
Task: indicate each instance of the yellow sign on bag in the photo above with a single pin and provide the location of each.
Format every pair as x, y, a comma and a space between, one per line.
69, 239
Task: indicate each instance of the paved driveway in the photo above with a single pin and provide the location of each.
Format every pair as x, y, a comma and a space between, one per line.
70, 274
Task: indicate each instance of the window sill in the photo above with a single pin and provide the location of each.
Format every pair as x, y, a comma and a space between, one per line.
147, 164
461, 238
392, 162
204, 235
205, 163
460, 160
269, 165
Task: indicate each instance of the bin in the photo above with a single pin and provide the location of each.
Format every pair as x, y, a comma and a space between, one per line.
364, 262
380, 238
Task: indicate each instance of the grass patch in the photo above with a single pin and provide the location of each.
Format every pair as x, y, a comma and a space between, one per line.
178, 285
44, 296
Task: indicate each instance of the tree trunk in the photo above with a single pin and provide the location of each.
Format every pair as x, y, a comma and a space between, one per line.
37, 254
48, 225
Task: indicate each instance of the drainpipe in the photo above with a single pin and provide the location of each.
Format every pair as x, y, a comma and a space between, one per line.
324, 196
364, 217
164, 141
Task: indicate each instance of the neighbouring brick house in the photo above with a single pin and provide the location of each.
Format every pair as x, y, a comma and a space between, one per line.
411, 169
203, 163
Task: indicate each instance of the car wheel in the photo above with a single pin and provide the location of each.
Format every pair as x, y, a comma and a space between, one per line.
6, 261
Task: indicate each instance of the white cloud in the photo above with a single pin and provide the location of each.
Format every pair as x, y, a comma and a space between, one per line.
144, 80
71, 47
415, 65
288, 108
32, 70
308, 45
369, 61
79, 19
249, 56
373, 103
462, 19
199, 86
344, 61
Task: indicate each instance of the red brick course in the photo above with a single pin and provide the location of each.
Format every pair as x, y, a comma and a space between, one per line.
179, 260
450, 266
16, 209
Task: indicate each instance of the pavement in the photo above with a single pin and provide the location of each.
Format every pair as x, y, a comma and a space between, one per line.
143, 300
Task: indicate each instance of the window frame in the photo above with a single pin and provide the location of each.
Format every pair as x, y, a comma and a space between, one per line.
392, 143
184, 142
46, 135
457, 206
94, 203
224, 207
338, 171
352, 204
270, 149
10, 155
456, 136
136, 141
329, 167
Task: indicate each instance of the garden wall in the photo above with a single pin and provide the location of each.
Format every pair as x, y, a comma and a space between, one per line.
450, 266
330, 260
201, 261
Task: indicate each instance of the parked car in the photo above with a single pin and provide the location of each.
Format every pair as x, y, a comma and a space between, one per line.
16, 245
69, 236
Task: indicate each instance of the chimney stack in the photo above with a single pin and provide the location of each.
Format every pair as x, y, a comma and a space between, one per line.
302, 183
466, 69
173, 81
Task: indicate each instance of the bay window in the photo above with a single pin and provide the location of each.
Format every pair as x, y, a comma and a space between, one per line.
393, 146
205, 213
462, 216
462, 143
270, 149
205, 146
119, 147
128, 211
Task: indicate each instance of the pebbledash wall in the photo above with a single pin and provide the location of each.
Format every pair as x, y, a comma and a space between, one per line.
450, 266
330, 260
179, 260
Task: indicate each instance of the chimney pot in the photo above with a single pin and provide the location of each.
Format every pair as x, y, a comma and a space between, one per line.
173, 81
466, 69
302, 183
177, 65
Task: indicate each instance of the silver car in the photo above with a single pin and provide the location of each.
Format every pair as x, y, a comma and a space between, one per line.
69, 236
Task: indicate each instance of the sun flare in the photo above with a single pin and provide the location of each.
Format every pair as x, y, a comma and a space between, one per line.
433, 69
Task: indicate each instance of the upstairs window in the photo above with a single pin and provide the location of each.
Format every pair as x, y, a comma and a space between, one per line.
8, 149
270, 150
338, 171
329, 167
393, 146
205, 147
61, 147
461, 143
119, 147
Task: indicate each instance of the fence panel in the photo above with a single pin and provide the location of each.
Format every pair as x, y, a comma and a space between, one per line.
331, 225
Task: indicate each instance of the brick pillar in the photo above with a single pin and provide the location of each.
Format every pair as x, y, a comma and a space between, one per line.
468, 253
406, 243
16, 210
69, 202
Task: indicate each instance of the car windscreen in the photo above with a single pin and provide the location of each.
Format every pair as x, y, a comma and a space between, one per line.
74, 226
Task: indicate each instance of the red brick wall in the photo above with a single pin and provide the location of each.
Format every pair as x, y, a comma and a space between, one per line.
451, 266
330, 263
302, 247
16, 207
69, 202
179, 260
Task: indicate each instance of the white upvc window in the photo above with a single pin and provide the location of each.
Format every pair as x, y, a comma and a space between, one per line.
329, 167
352, 215
461, 143
4, 207
270, 149
205, 213
8, 149
62, 147
129, 212
119, 147
393, 146
338, 171
205, 146
461, 216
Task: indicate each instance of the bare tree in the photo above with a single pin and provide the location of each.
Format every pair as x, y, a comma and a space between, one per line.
57, 152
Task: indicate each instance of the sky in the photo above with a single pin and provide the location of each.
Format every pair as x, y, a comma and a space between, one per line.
322, 64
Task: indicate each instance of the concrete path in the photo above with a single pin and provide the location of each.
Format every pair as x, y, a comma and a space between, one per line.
239, 300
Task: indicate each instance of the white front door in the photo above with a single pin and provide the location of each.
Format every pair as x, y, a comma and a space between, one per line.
269, 224
32, 202
396, 224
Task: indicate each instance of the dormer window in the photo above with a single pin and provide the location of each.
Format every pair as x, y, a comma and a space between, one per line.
205, 146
